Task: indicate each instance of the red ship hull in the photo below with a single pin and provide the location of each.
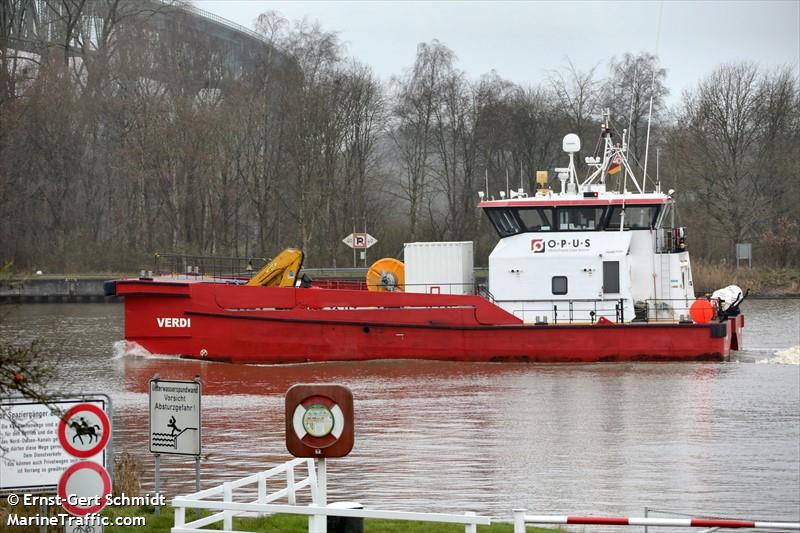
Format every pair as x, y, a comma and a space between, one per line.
242, 324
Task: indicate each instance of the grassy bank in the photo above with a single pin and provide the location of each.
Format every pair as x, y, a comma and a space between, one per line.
272, 524
762, 281
299, 524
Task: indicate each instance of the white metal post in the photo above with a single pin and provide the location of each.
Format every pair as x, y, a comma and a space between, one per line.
519, 520
227, 516
262, 488
321, 521
290, 485
322, 481
262, 491
180, 516
473, 528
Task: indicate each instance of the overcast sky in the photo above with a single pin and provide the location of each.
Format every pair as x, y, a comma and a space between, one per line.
523, 40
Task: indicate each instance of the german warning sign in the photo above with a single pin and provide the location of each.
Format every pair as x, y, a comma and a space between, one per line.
175, 417
84, 430
83, 488
34, 457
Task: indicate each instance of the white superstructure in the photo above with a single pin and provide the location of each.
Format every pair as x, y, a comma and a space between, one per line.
585, 252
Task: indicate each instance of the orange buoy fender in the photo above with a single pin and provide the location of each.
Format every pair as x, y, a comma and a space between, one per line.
701, 311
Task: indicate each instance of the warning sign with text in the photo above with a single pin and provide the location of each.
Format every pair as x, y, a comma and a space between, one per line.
175, 417
32, 458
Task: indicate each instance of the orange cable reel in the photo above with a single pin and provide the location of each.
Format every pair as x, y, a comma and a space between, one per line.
386, 275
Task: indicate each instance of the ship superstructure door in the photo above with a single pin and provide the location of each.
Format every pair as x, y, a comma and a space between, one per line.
610, 277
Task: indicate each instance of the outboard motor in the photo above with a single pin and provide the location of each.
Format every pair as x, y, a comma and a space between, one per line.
728, 300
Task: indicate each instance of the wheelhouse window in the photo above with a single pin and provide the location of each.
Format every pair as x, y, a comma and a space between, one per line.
537, 218
636, 217
580, 218
509, 221
504, 222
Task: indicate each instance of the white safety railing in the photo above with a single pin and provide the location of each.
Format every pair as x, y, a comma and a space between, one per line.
200, 500
521, 519
317, 511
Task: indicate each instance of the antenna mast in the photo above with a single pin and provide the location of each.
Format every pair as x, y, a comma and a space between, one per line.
652, 88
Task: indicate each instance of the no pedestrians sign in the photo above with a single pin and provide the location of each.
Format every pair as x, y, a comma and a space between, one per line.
175, 417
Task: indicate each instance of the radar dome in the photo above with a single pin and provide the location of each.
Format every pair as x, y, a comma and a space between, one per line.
571, 143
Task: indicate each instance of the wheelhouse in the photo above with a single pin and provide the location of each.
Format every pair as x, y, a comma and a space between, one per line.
512, 219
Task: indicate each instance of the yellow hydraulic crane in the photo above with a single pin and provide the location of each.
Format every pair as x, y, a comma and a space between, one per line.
281, 271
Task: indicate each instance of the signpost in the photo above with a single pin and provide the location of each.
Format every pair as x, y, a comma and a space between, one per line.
41, 445
360, 241
319, 424
744, 252
175, 422
31, 435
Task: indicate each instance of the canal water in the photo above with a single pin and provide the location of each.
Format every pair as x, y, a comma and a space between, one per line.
719, 439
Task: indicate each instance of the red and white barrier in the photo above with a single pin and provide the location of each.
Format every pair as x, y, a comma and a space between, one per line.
521, 519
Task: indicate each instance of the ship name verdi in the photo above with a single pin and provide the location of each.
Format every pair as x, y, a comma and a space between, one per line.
174, 322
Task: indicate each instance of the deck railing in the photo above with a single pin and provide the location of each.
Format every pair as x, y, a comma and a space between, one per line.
544, 312
204, 265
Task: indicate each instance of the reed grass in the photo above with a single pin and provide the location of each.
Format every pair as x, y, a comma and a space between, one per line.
762, 281
126, 475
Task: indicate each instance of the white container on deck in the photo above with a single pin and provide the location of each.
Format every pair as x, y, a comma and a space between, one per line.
439, 267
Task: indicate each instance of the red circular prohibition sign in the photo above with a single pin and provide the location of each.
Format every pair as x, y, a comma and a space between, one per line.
62, 488
101, 443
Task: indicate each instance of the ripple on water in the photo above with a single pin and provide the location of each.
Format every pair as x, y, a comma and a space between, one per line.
607, 438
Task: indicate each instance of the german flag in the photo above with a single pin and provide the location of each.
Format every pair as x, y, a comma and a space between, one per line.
616, 164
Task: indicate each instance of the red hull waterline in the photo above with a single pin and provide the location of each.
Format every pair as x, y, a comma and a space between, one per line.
242, 324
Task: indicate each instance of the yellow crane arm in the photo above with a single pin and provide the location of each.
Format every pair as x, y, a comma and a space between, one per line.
281, 271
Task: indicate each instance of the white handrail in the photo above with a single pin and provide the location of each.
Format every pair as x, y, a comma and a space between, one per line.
228, 508
310, 510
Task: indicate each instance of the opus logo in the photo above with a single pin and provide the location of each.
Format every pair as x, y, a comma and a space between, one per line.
537, 246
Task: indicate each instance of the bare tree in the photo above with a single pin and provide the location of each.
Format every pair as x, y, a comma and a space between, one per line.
633, 80
577, 93
734, 147
417, 96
